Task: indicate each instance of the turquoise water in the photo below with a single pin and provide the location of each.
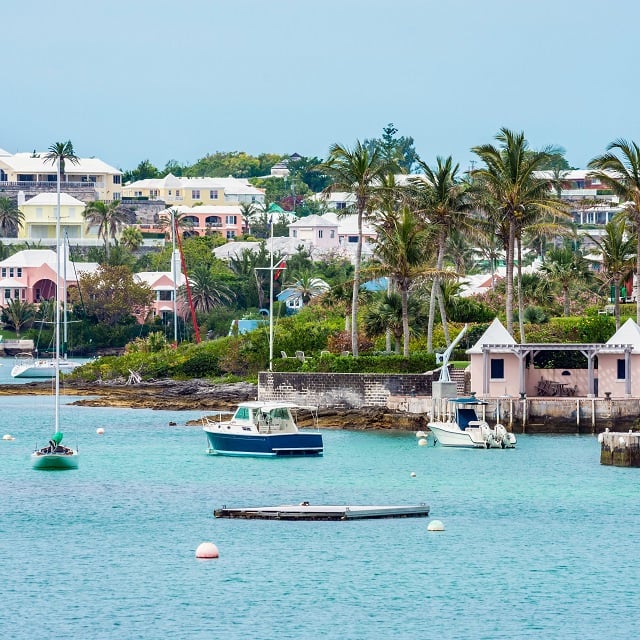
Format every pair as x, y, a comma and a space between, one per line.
540, 541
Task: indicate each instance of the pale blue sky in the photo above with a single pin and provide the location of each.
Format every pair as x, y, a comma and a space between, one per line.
128, 80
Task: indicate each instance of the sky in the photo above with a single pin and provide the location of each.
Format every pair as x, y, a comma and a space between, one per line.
158, 80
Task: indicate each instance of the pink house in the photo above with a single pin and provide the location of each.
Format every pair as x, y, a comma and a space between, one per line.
501, 367
30, 275
161, 283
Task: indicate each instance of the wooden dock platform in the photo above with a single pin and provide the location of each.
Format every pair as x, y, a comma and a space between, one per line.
306, 511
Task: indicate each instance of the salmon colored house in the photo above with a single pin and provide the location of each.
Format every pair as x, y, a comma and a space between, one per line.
501, 367
30, 275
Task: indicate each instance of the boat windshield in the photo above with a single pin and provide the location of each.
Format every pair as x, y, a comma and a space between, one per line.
243, 413
465, 416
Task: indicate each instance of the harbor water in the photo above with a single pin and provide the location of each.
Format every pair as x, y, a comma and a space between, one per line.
539, 541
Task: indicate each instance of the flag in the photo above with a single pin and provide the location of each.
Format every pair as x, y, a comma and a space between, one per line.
279, 268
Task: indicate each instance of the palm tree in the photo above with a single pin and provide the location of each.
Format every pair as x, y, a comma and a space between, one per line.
385, 315
619, 169
508, 189
132, 238
247, 210
62, 151
206, 292
360, 172
306, 286
402, 250
17, 314
443, 200
109, 217
11, 218
617, 249
567, 269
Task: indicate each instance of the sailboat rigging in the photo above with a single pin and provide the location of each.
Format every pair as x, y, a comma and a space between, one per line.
55, 455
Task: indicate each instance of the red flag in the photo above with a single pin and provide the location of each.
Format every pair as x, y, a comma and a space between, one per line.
279, 268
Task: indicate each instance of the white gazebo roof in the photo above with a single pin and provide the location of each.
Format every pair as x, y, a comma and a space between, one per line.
628, 333
494, 334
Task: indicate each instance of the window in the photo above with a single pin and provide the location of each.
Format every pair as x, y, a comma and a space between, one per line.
231, 234
116, 195
497, 368
231, 219
213, 194
38, 295
19, 272
4, 272
294, 231
177, 193
165, 295
622, 370
319, 233
117, 179
352, 239
137, 194
7, 294
341, 205
153, 193
332, 233
11, 274
195, 194
16, 293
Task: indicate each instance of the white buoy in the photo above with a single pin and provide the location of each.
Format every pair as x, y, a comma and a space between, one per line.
100, 431
423, 442
435, 525
413, 474
420, 434
207, 551
8, 436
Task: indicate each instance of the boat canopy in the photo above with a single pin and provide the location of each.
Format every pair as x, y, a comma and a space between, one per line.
470, 400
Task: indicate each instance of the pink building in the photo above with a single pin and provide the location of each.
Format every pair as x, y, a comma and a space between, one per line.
30, 275
161, 283
502, 367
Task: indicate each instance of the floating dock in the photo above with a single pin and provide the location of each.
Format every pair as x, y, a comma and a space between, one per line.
306, 511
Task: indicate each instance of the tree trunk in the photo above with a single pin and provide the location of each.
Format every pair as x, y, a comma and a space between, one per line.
356, 287
509, 278
405, 318
523, 339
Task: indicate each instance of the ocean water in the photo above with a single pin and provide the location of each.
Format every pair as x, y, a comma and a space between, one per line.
540, 541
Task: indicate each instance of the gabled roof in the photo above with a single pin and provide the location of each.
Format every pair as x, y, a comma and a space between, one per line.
51, 199
628, 333
153, 278
495, 334
313, 221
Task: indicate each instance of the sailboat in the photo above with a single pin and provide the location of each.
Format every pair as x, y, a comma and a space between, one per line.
55, 455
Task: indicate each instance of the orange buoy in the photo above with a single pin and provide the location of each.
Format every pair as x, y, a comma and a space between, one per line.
207, 551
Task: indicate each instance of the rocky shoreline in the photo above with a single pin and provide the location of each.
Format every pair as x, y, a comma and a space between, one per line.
174, 395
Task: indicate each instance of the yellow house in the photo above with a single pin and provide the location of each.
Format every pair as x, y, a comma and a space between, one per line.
32, 173
188, 191
40, 219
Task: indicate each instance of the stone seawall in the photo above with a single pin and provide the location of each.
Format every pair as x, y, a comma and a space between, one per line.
346, 390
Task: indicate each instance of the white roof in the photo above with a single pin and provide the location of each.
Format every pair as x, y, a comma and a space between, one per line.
27, 163
348, 224
224, 209
151, 277
230, 185
11, 283
281, 245
38, 257
314, 221
51, 199
628, 333
495, 334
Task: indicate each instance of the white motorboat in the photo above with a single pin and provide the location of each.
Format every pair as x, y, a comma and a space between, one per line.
262, 429
462, 427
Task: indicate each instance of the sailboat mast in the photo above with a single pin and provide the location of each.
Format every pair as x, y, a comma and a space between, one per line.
271, 296
57, 327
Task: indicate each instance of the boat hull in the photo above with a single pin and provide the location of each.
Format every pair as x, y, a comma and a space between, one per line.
453, 436
54, 461
269, 445
41, 370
